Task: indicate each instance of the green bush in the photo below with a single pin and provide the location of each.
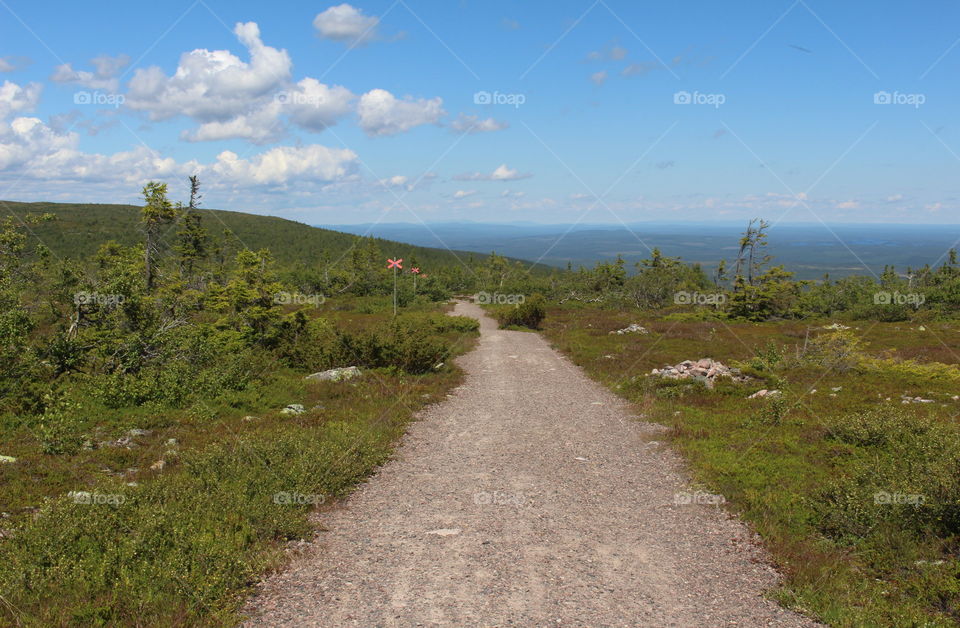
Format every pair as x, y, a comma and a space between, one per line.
902, 475
528, 314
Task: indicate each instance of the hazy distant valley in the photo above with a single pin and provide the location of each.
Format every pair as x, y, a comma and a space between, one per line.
808, 250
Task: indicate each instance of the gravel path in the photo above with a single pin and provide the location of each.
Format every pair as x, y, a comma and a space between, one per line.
531, 497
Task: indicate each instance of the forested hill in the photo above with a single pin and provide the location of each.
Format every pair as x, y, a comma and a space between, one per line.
81, 228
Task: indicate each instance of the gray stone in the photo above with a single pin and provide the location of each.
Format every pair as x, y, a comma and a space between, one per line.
335, 375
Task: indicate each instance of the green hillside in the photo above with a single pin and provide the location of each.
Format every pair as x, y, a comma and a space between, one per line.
81, 228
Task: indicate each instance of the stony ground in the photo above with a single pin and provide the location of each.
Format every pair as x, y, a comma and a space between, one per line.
531, 497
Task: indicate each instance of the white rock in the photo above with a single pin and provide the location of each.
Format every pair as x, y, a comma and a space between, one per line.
335, 375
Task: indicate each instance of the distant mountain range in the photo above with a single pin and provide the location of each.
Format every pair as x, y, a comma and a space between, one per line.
810, 250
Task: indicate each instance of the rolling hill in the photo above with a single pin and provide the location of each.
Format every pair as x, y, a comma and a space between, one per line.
81, 228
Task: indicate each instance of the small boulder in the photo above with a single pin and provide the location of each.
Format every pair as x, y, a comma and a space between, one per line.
335, 375
7, 459
293, 409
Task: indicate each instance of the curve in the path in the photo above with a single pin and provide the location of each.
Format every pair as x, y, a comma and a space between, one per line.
531, 497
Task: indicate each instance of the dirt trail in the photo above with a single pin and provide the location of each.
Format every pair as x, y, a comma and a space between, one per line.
531, 497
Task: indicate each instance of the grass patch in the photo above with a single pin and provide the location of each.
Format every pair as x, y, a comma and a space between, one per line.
172, 523
854, 492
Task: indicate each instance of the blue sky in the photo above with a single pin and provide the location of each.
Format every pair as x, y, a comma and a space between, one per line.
340, 113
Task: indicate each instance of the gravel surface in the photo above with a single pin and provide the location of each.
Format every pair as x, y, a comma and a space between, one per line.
531, 497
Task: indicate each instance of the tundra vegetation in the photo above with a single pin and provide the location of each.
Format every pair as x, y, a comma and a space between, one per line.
159, 442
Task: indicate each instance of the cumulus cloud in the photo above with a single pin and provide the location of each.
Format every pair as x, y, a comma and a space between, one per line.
37, 151
261, 126
285, 163
346, 23
17, 99
315, 106
104, 76
473, 124
464, 193
380, 113
502, 173
599, 78
848, 205
212, 86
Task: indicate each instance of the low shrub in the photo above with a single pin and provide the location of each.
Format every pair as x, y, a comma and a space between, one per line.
528, 314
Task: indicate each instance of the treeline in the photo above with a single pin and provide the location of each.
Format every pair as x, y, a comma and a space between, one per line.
752, 288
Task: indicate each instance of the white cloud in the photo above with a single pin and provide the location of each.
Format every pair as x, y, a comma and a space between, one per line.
315, 106
260, 127
464, 193
381, 113
473, 124
502, 173
31, 148
639, 69
848, 205
17, 99
286, 163
894, 198
618, 53
212, 86
103, 77
348, 24
599, 78
396, 181
14, 63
